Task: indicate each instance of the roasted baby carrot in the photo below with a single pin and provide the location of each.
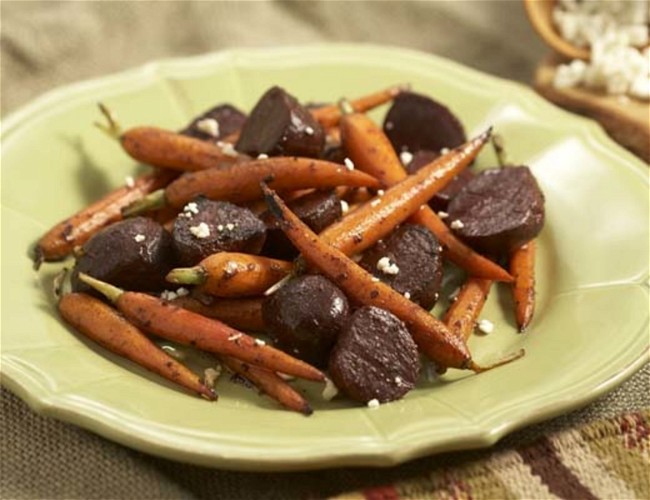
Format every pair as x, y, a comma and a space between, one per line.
372, 221
372, 152
522, 267
431, 335
463, 313
180, 325
271, 384
241, 183
103, 324
230, 274
329, 116
241, 314
59, 241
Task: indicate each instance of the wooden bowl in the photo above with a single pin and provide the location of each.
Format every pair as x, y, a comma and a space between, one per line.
540, 15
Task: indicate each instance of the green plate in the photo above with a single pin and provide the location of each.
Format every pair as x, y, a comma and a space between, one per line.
589, 334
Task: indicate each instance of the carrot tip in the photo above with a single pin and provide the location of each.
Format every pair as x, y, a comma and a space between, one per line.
209, 394
269, 197
37, 257
306, 409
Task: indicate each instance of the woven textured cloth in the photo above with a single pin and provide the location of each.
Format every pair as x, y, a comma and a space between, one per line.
606, 459
48, 44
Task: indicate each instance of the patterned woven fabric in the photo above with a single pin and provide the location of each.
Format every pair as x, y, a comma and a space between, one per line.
607, 459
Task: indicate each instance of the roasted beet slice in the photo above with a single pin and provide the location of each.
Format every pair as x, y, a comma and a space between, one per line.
206, 227
374, 357
134, 254
409, 260
416, 122
304, 317
279, 125
441, 200
318, 210
218, 122
498, 211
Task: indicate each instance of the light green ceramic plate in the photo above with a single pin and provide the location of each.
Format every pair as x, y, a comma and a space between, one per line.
590, 332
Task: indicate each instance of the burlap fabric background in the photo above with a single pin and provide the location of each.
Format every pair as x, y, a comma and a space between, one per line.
47, 44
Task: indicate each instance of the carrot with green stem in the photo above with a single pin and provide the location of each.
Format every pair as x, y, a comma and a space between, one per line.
230, 274
463, 313
180, 325
329, 116
270, 384
164, 148
372, 152
522, 267
241, 314
61, 239
431, 335
241, 183
104, 325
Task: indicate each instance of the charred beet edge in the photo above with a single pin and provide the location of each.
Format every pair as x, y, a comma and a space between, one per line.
441, 200
134, 254
416, 122
305, 316
409, 260
498, 211
318, 210
375, 357
279, 125
206, 227
228, 120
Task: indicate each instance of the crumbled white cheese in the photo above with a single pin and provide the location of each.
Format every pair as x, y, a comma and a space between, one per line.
345, 207
406, 157
191, 208
259, 342
329, 391
227, 148
235, 336
381, 192
443, 215
457, 224
375, 202
230, 226
444, 151
208, 126
407, 295
220, 227
349, 164
139, 238
398, 381
200, 231
374, 279
262, 156
386, 266
130, 182
168, 295
612, 30
373, 403
211, 375
309, 131
182, 292
486, 326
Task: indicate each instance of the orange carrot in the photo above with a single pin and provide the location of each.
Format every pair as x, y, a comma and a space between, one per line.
372, 152
463, 313
59, 241
375, 219
230, 274
271, 384
522, 267
329, 116
180, 325
241, 182
107, 327
431, 335
241, 314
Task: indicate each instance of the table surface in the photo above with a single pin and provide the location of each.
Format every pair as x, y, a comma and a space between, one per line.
48, 44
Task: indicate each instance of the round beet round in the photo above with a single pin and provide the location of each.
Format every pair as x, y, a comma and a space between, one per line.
374, 357
498, 210
304, 317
